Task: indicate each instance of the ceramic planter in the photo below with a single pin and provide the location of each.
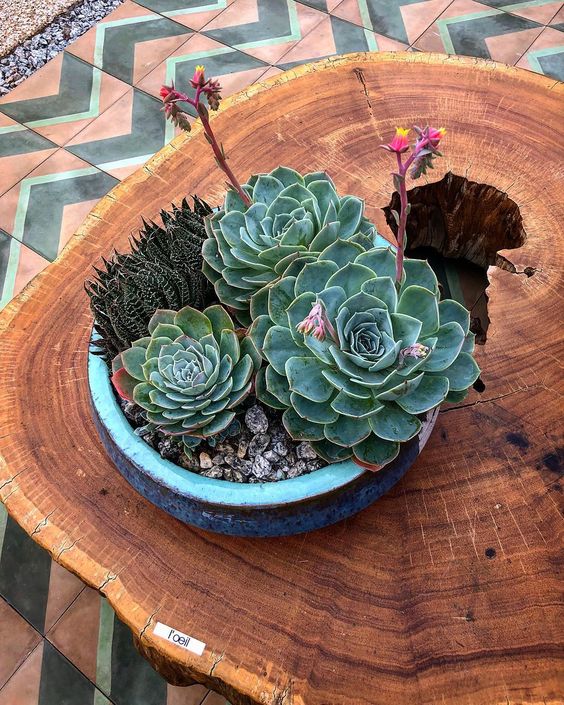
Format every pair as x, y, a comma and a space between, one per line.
279, 508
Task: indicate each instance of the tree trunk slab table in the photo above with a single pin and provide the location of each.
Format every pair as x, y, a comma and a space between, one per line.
446, 589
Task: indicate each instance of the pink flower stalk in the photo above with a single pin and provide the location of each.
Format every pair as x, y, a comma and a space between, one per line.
421, 158
317, 324
212, 91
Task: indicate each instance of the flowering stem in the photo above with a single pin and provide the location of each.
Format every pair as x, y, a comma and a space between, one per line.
220, 157
402, 225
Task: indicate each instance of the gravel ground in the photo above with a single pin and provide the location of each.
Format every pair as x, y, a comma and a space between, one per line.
21, 18
259, 451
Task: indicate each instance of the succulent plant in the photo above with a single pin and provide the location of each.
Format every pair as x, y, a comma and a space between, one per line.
190, 373
249, 247
353, 361
163, 270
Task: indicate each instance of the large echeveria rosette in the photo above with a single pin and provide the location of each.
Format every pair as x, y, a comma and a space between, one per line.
249, 247
190, 373
397, 354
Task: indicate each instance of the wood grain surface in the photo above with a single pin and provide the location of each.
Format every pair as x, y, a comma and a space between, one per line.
445, 591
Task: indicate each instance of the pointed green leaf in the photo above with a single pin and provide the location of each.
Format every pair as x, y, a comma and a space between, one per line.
229, 345
462, 373
351, 277
347, 431
405, 328
279, 347
316, 412
266, 189
161, 315
376, 451
242, 372
381, 260
305, 377
384, 289
314, 276
287, 176
263, 394
450, 339
277, 385
330, 452
421, 304
350, 215
258, 330
429, 393
167, 330
394, 424
280, 296
219, 319
395, 389
418, 271
450, 310
357, 408
341, 252
193, 322
247, 347
133, 359
300, 429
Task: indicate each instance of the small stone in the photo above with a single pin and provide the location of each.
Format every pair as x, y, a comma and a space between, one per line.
261, 467
305, 452
256, 420
218, 459
213, 472
271, 456
297, 469
243, 466
205, 461
242, 448
281, 448
315, 464
188, 463
258, 444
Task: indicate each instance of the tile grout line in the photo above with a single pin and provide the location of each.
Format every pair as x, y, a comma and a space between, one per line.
37, 646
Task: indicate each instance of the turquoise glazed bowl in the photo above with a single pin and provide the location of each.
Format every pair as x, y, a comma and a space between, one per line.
264, 509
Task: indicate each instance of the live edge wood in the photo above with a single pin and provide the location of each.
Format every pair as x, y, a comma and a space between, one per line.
446, 590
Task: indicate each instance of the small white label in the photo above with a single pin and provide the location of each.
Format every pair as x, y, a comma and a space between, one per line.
178, 638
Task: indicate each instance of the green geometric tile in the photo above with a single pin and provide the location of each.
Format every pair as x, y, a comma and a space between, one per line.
24, 572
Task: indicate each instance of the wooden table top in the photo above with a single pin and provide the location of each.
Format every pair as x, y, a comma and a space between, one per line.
444, 591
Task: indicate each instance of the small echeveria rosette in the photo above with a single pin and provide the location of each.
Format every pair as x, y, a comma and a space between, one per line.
291, 215
190, 373
355, 362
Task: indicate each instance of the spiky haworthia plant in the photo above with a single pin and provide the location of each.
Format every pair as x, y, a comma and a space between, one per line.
190, 373
250, 246
353, 360
163, 270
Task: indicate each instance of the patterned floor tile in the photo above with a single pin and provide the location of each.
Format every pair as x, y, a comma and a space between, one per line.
336, 36
24, 572
46, 207
18, 639
234, 69
546, 55
191, 695
23, 687
62, 98
64, 589
266, 29
192, 13
402, 20
323, 5
18, 266
21, 150
63, 684
473, 29
541, 11
558, 20
130, 42
125, 136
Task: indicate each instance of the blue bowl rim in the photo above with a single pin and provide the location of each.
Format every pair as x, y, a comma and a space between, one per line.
198, 487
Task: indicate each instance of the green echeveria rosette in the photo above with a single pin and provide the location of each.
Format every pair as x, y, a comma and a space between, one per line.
190, 373
393, 356
291, 215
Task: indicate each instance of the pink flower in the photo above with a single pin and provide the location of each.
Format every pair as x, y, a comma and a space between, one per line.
400, 143
317, 324
435, 136
198, 79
